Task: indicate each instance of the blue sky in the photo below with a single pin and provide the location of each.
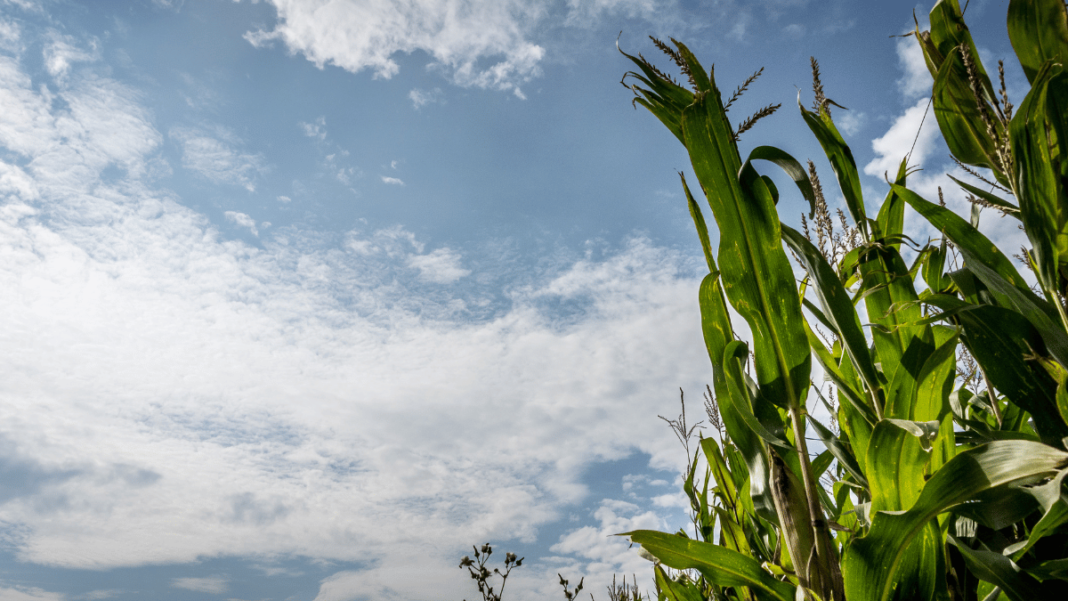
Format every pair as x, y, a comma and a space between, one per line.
303, 298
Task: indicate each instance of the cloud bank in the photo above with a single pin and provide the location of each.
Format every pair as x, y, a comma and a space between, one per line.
176, 394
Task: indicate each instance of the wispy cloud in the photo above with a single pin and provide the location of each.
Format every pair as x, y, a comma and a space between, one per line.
421, 98
61, 51
29, 594
393, 181
211, 584
441, 266
214, 155
315, 130
242, 220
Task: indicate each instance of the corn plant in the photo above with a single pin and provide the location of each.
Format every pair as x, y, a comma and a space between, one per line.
935, 484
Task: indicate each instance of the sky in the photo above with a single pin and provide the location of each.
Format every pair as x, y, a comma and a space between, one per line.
301, 299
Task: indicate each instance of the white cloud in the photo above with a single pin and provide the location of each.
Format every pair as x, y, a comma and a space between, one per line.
285, 199
10, 35
315, 130
421, 98
901, 137
242, 220
211, 584
850, 122
441, 266
392, 181
480, 43
60, 52
586, 12
29, 594
180, 395
214, 156
916, 80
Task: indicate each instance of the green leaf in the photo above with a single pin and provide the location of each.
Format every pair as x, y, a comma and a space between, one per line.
715, 326
847, 386
841, 159
996, 271
958, 116
731, 410
1038, 30
742, 400
949, 31
675, 591
896, 462
837, 306
756, 274
890, 300
840, 451
993, 199
718, 565
1053, 497
871, 563
1043, 208
792, 168
935, 380
1001, 340
891, 217
699, 223
1003, 572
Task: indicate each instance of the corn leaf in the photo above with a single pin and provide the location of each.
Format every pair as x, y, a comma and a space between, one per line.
958, 116
1038, 31
756, 274
675, 591
891, 218
1043, 207
871, 563
935, 381
995, 270
999, 570
718, 565
948, 31
839, 451
841, 159
997, 201
791, 166
837, 306
896, 462
1001, 340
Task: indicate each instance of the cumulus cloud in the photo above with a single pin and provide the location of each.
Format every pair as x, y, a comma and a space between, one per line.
480, 43
851, 122
393, 181
214, 155
916, 79
905, 135
211, 584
